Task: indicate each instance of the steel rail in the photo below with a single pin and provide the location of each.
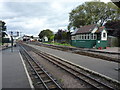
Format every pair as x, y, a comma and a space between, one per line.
55, 83
72, 71
45, 55
36, 73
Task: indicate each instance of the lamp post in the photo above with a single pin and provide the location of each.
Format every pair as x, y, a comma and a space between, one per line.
11, 41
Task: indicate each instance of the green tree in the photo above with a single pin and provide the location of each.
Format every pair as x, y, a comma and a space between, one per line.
2, 31
115, 27
92, 13
52, 37
2, 26
48, 33
32, 37
62, 36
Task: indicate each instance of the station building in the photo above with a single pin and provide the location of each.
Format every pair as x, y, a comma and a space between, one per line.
89, 36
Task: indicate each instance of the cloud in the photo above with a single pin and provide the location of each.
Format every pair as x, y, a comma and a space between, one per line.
33, 16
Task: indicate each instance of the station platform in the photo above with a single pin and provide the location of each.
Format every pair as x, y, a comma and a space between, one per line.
13, 72
109, 49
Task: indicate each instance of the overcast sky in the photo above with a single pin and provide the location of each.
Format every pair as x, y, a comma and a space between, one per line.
33, 16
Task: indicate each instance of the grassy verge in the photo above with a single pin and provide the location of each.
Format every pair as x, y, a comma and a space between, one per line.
55, 43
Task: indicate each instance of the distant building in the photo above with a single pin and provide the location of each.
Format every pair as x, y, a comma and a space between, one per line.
45, 39
26, 38
89, 36
36, 38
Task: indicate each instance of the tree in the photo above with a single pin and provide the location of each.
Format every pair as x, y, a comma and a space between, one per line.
48, 33
92, 13
52, 37
62, 36
2, 26
58, 35
115, 29
115, 26
2, 29
31, 37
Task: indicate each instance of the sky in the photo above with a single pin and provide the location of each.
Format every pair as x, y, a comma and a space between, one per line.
32, 16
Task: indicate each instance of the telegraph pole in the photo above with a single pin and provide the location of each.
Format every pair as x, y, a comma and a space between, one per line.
11, 35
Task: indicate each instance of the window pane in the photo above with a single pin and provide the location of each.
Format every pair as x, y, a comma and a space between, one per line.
88, 37
91, 36
104, 35
85, 36
94, 37
82, 37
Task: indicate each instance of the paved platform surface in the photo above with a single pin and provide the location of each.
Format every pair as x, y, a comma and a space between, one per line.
109, 49
101, 66
13, 72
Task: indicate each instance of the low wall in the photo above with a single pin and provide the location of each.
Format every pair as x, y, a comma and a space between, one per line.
83, 43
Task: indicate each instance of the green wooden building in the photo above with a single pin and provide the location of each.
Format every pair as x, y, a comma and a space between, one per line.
89, 36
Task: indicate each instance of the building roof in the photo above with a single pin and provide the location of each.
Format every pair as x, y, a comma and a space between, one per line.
88, 29
85, 29
36, 38
100, 29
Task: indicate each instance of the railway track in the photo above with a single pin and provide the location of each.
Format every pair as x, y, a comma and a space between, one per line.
44, 80
77, 72
91, 53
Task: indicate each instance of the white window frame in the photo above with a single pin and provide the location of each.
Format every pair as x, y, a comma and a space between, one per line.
104, 38
83, 36
92, 38
89, 36
76, 37
73, 37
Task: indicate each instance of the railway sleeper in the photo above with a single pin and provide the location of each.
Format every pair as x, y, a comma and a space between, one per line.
97, 85
36, 77
40, 72
46, 81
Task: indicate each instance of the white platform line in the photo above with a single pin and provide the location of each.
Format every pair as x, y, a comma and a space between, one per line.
29, 79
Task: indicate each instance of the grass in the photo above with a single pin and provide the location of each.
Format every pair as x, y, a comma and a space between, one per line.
55, 43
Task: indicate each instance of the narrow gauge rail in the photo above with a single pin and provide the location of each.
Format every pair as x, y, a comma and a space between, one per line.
44, 78
95, 83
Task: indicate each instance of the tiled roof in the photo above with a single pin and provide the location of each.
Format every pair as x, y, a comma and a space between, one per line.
100, 29
85, 29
